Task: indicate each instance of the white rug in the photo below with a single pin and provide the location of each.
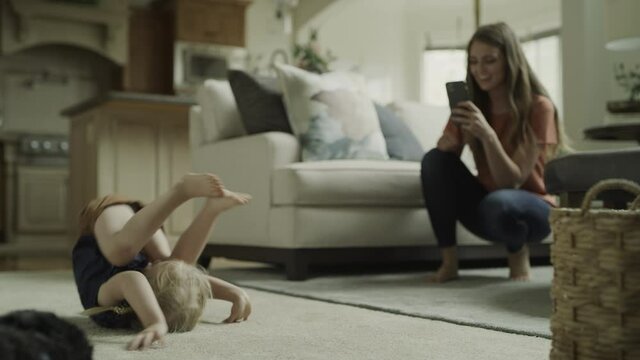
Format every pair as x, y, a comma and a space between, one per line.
482, 298
281, 327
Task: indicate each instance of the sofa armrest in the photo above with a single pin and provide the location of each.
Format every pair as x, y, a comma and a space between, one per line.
246, 164
196, 129
266, 150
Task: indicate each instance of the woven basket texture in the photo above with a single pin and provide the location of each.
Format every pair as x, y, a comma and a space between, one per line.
596, 283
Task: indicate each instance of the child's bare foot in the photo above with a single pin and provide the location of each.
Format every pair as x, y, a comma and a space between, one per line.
519, 266
227, 200
200, 185
446, 272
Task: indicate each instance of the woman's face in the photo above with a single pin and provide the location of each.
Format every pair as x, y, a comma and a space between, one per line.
487, 66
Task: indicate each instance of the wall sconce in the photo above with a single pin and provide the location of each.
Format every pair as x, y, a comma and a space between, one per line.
622, 24
283, 13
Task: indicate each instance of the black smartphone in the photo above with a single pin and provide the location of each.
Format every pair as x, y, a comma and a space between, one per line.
457, 92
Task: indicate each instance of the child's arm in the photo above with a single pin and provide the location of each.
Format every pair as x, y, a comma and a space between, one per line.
134, 287
241, 308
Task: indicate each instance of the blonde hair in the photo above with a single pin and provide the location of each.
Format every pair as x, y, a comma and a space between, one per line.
182, 291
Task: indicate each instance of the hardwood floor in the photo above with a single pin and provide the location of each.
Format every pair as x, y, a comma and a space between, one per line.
29, 263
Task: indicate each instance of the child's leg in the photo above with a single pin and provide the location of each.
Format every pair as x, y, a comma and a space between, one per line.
192, 241
121, 234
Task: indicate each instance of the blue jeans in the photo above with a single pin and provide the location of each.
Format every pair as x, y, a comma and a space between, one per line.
451, 193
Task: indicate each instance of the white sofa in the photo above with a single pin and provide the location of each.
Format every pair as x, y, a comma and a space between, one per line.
324, 212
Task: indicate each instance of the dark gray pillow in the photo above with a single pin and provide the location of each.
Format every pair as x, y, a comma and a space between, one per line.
401, 143
259, 102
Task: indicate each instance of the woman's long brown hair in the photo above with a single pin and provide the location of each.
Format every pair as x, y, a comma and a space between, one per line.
522, 84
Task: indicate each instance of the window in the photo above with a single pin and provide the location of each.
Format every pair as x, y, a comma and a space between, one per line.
544, 57
442, 65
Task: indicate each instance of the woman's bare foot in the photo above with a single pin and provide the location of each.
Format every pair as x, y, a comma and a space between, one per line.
449, 268
519, 266
445, 273
228, 200
200, 185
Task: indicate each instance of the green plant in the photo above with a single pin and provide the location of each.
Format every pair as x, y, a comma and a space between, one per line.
629, 80
308, 56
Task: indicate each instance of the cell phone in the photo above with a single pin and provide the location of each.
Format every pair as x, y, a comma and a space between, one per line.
457, 92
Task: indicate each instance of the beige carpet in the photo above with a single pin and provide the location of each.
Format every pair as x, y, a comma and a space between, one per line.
281, 327
482, 298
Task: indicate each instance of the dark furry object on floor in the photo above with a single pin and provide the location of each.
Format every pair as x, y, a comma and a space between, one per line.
37, 335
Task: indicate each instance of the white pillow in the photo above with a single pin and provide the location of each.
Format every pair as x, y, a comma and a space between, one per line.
331, 116
220, 116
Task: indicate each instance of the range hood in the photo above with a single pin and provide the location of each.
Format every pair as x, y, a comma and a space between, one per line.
101, 26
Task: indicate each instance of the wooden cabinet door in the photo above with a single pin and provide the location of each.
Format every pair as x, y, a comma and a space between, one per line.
209, 21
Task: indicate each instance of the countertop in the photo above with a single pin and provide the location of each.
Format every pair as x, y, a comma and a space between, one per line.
127, 96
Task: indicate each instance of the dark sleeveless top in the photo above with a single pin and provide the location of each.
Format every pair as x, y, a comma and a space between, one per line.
91, 269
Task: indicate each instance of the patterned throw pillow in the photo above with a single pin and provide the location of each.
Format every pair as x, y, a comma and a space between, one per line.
330, 116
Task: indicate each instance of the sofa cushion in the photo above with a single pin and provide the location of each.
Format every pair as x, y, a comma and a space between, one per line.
260, 103
330, 117
220, 116
348, 183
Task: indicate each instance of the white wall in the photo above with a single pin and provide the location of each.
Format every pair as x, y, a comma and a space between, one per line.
366, 36
38, 83
588, 76
265, 33
384, 39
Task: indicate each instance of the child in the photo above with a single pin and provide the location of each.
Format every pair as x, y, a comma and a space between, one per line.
126, 272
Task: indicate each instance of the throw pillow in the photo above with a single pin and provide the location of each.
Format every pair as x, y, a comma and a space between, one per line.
425, 121
330, 117
220, 116
401, 143
260, 103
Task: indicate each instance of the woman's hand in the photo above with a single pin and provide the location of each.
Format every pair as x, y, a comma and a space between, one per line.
148, 336
470, 118
241, 308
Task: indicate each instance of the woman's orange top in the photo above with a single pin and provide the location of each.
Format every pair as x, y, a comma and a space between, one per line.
542, 123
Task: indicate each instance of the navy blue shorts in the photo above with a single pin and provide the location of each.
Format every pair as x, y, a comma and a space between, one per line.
91, 269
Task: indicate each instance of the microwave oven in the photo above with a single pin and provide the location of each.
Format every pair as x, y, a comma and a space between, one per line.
196, 62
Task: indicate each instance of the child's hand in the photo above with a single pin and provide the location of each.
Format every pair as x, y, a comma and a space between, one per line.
241, 308
146, 337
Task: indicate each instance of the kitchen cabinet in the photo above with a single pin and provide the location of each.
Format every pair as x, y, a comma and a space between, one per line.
129, 144
211, 21
159, 34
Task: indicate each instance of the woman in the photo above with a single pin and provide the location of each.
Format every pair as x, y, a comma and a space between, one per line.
512, 128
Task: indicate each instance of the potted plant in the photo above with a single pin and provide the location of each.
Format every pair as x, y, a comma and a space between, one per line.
309, 57
630, 81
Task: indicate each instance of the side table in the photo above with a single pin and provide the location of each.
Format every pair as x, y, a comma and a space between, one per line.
620, 131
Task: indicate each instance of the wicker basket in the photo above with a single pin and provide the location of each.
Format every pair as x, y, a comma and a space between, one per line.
596, 282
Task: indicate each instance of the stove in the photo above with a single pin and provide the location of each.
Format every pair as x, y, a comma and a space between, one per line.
43, 150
